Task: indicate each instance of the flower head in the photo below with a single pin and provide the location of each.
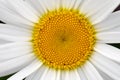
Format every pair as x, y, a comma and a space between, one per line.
59, 39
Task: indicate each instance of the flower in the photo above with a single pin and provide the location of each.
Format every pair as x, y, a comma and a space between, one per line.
59, 39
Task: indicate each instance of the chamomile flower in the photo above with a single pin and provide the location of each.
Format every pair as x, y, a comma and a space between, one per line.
59, 39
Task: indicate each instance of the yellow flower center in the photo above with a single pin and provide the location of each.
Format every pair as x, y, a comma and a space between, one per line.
63, 39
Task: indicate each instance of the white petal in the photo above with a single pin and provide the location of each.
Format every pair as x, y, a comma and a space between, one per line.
26, 71
112, 21
14, 30
8, 16
49, 74
36, 5
72, 75
13, 65
69, 4
105, 76
30, 77
106, 65
24, 9
98, 10
14, 38
2, 1
62, 75
43, 6
57, 3
77, 4
91, 72
58, 75
111, 36
14, 33
81, 74
13, 50
38, 74
52, 4
3, 42
49, 4
108, 51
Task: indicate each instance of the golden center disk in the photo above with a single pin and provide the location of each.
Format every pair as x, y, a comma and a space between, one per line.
63, 39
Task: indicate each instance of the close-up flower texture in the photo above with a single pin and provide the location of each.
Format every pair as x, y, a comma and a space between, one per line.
59, 39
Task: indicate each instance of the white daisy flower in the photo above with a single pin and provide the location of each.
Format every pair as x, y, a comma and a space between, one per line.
59, 39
